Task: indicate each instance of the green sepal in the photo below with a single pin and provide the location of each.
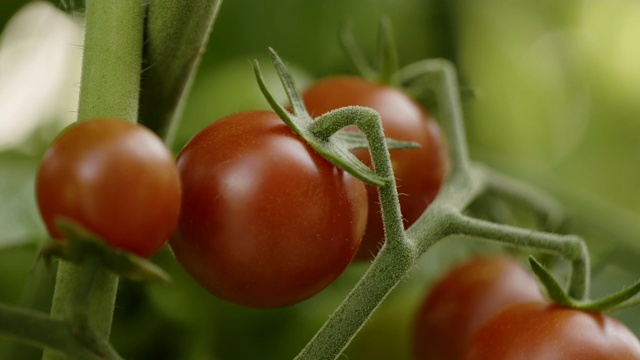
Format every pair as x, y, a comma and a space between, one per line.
331, 148
387, 53
359, 141
558, 295
354, 53
79, 243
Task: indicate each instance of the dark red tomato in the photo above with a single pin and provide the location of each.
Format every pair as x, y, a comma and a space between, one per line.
419, 172
464, 299
114, 178
265, 220
538, 331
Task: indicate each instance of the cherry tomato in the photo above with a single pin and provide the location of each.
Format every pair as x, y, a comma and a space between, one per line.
465, 298
114, 178
266, 221
419, 172
538, 331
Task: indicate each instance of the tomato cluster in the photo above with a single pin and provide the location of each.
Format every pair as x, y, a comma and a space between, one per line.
492, 308
267, 222
264, 221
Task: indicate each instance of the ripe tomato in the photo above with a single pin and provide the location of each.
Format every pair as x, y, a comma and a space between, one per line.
266, 221
419, 172
114, 178
538, 331
464, 299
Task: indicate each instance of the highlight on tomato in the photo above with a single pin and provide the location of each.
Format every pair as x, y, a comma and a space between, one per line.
419, 172
540, 331
115, 179
464, 298
266, 221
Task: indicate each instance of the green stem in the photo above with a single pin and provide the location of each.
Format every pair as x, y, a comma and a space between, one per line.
386, 271
112, 59
569, 246
387, 53
442, 76
38, 329
110, 85
354, 53
369, 122
396, 256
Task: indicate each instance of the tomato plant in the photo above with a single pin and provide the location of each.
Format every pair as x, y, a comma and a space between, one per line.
419, 172
114, 178
465, 298
265, 220
542, 331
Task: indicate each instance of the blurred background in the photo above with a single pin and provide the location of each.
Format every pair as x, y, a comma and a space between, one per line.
556, 102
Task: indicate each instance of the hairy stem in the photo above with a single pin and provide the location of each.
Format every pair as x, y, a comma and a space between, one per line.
442, 76
570, 247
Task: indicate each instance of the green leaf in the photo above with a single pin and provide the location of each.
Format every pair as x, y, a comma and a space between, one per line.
19, 219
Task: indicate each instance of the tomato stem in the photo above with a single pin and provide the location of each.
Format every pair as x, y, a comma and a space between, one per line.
387, 53
569, 246
354, 53
443, 79
112, 60
39, 329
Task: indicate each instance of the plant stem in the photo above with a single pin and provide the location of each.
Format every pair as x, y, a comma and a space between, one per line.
569, 246
109, 88
442, 77
38, 329
112, 59
386, 271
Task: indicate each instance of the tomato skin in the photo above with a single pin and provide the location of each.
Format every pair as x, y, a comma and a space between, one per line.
419, 172
464, 299
266, 221
116, 179
538, 331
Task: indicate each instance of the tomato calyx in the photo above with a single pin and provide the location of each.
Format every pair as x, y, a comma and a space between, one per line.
613, 302
325, 134
79, 244
387, 53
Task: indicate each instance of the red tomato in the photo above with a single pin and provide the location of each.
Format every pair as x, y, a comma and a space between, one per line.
419, 172
266, 221
114, 178
464, 299
538, 331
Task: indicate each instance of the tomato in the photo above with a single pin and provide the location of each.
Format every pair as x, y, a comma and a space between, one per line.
538, 331
465, 298
266, 221
419, 172
114, 178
